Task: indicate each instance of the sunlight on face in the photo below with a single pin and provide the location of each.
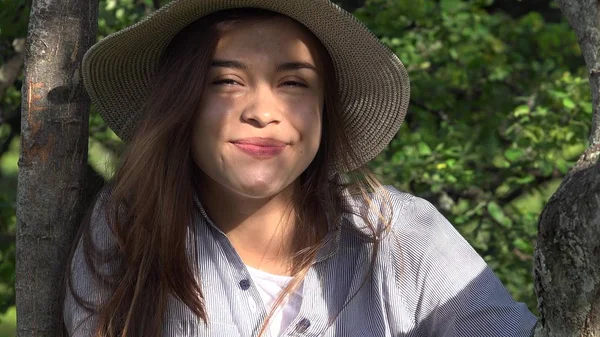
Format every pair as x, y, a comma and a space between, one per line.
259, 126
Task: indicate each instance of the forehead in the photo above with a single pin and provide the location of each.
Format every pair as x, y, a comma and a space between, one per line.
274, 37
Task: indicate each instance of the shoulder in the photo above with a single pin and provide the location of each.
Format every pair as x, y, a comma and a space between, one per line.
437, 270
96, 240
423, 229
421, 241
391, 210
414, 215
101, 221
412, 231
418, 245
376, 211
85, 290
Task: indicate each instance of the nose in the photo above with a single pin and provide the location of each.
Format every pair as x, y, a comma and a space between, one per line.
264, 108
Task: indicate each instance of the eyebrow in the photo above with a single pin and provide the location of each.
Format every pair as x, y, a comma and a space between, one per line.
295, 66
229, 64
280, 67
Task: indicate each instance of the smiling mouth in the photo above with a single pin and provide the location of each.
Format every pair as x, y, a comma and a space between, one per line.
260, 147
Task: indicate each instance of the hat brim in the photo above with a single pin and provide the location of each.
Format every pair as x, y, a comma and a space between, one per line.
374, 85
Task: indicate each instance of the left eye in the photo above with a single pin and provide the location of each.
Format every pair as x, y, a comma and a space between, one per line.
295, 84
226, 81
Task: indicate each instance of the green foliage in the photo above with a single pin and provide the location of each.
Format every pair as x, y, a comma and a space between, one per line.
500, 110
7, 252
14, 15
13, 24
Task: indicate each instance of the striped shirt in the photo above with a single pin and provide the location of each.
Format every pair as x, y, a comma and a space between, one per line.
426, 281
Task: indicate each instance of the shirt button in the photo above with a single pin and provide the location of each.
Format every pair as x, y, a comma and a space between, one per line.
245, 284
303, 325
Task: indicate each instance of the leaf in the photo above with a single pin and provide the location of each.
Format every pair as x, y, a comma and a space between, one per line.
450, 5
558, 94
562, 166
514, 154
120, 13
497, 213
521, 110
522, 245
500, 162
568, 103
111, 5
424, 149
586, 106
525, 180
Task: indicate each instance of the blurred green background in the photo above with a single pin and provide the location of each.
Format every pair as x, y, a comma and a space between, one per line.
500, 110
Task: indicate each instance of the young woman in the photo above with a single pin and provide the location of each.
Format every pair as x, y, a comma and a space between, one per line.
241, 206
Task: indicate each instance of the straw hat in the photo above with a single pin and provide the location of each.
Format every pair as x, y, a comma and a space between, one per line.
374, 86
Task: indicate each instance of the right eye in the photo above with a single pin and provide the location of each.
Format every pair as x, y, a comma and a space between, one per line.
226, 81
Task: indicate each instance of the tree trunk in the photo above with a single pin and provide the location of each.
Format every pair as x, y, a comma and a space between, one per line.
567, 258
53, 159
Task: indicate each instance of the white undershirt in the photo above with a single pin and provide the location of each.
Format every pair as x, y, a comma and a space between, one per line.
269, 286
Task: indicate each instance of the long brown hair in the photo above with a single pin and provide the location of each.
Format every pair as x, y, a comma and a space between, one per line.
151, 195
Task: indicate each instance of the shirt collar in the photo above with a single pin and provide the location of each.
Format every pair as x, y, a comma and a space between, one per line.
205, 216
328, 248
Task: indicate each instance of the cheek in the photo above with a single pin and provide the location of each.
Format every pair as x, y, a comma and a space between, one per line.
307, 120
212, 119
313, 133
208, 129
211, 116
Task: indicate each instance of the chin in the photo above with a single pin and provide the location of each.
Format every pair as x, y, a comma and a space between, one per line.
259, 190
259, 186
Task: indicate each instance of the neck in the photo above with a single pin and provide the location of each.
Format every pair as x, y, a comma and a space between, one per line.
260, 230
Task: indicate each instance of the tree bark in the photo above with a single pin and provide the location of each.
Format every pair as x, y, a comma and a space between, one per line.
53, 158
567, 257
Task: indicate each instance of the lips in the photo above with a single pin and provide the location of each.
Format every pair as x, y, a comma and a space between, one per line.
266, 142
260, 147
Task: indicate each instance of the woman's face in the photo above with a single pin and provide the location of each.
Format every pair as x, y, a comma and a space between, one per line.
259, 125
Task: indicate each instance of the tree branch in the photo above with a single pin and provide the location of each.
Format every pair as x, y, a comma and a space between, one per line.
53, 157
567, 271
439, 113
582, 15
